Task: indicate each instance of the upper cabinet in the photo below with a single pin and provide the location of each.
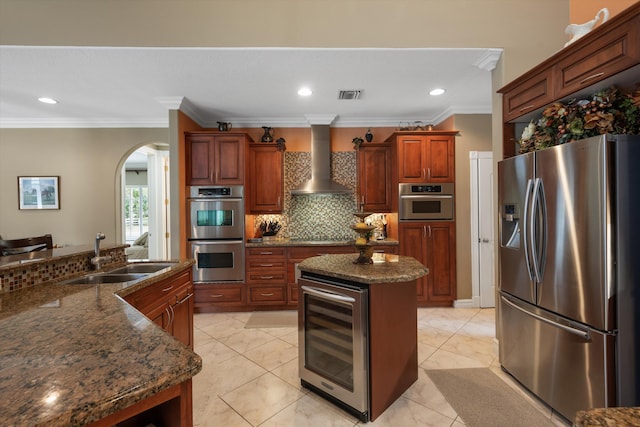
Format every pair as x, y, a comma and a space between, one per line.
376, 179
426, 156
265, 180
608, 55
215, 158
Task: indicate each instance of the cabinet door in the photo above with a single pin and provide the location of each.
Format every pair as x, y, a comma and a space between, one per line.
433, 244
229, 161
441, 256
411, 162
264, 175
413, 243
375, 178
439, 154
200, 157
182, 322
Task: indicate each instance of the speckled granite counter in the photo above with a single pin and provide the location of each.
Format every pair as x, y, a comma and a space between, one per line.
73, 354
608, 417
289, 242
341, 266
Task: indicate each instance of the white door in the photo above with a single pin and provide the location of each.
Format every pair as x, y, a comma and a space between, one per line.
482, 219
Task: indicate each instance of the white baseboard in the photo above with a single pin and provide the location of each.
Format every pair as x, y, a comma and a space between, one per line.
463, 303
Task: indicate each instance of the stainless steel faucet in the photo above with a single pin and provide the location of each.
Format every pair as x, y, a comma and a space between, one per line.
97, 260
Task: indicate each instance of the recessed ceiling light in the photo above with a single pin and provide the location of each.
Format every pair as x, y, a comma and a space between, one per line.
47, 100
305, 91
436, 92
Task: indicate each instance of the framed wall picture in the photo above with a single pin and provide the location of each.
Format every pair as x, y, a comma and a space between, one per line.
39, 192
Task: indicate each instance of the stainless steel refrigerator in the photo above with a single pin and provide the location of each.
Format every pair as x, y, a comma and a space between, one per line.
569, 313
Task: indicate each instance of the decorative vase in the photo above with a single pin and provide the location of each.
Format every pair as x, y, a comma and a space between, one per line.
368, 136
268, 134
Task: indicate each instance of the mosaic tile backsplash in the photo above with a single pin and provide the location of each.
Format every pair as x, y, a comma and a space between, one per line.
317, 216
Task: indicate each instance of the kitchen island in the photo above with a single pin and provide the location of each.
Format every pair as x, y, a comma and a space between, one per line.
390, 325
79, 354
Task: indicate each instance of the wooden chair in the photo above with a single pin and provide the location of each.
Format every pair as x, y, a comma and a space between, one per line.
30, 244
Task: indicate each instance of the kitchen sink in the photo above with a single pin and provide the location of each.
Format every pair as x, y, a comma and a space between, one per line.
146, 267
95, 279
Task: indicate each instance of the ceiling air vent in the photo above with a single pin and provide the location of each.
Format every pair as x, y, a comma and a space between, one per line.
349, 94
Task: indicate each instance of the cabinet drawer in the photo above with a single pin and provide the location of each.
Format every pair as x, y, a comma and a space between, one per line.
610, 53
265, 264
217, 293
528, 96
266, 276
266, 252
385, 249
164, 291
260, 294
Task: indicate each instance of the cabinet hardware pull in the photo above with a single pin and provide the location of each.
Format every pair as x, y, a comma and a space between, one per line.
184, 299
267, 295
428, 173
429, 231
216, 295
525, 108
265, 265
424, 174
266, 277
266, 253
167, 289
586, 79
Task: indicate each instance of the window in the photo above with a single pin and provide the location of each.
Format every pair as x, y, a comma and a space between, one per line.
136, 211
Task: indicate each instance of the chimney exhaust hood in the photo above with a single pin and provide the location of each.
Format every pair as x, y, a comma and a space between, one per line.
320, 182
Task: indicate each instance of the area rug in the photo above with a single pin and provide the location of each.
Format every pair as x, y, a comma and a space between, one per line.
482, 399
273, 319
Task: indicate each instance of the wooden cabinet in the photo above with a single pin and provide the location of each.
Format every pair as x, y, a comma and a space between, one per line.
612, 51
532, 94
219, 296
426, 156
266, 276
215, 158
434, 245
265, 180
376, 177
169, 304
608, 55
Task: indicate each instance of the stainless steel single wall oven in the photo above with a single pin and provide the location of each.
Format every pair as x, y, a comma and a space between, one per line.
425, 202
216, 233
333, 337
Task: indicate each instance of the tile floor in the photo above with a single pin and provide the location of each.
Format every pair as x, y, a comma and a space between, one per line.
250, 376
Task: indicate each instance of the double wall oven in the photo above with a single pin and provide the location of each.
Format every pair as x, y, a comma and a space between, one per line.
216, 233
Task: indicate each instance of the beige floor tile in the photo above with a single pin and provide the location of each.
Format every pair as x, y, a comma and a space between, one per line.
262, 398
272, 354
433, 336
218, 414
222, 329
424, 351
220, 378
405, 412
280, 332
310, 411
425, 392
291, 337
290, 373
245, 339
464, 345
443, 359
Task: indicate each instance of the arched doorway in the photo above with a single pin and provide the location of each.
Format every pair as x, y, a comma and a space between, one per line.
144, 195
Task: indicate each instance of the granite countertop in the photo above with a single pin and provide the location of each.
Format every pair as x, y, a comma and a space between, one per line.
293, 242
394, 270
608, 417
73, 354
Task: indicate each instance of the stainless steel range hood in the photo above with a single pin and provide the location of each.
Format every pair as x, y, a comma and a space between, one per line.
320, 182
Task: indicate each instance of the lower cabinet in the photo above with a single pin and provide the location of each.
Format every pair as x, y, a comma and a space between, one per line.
270, 279
170, 304
266, 276
434, 245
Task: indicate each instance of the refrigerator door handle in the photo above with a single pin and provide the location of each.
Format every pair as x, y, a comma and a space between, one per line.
525, 226
538, 229
575, 331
